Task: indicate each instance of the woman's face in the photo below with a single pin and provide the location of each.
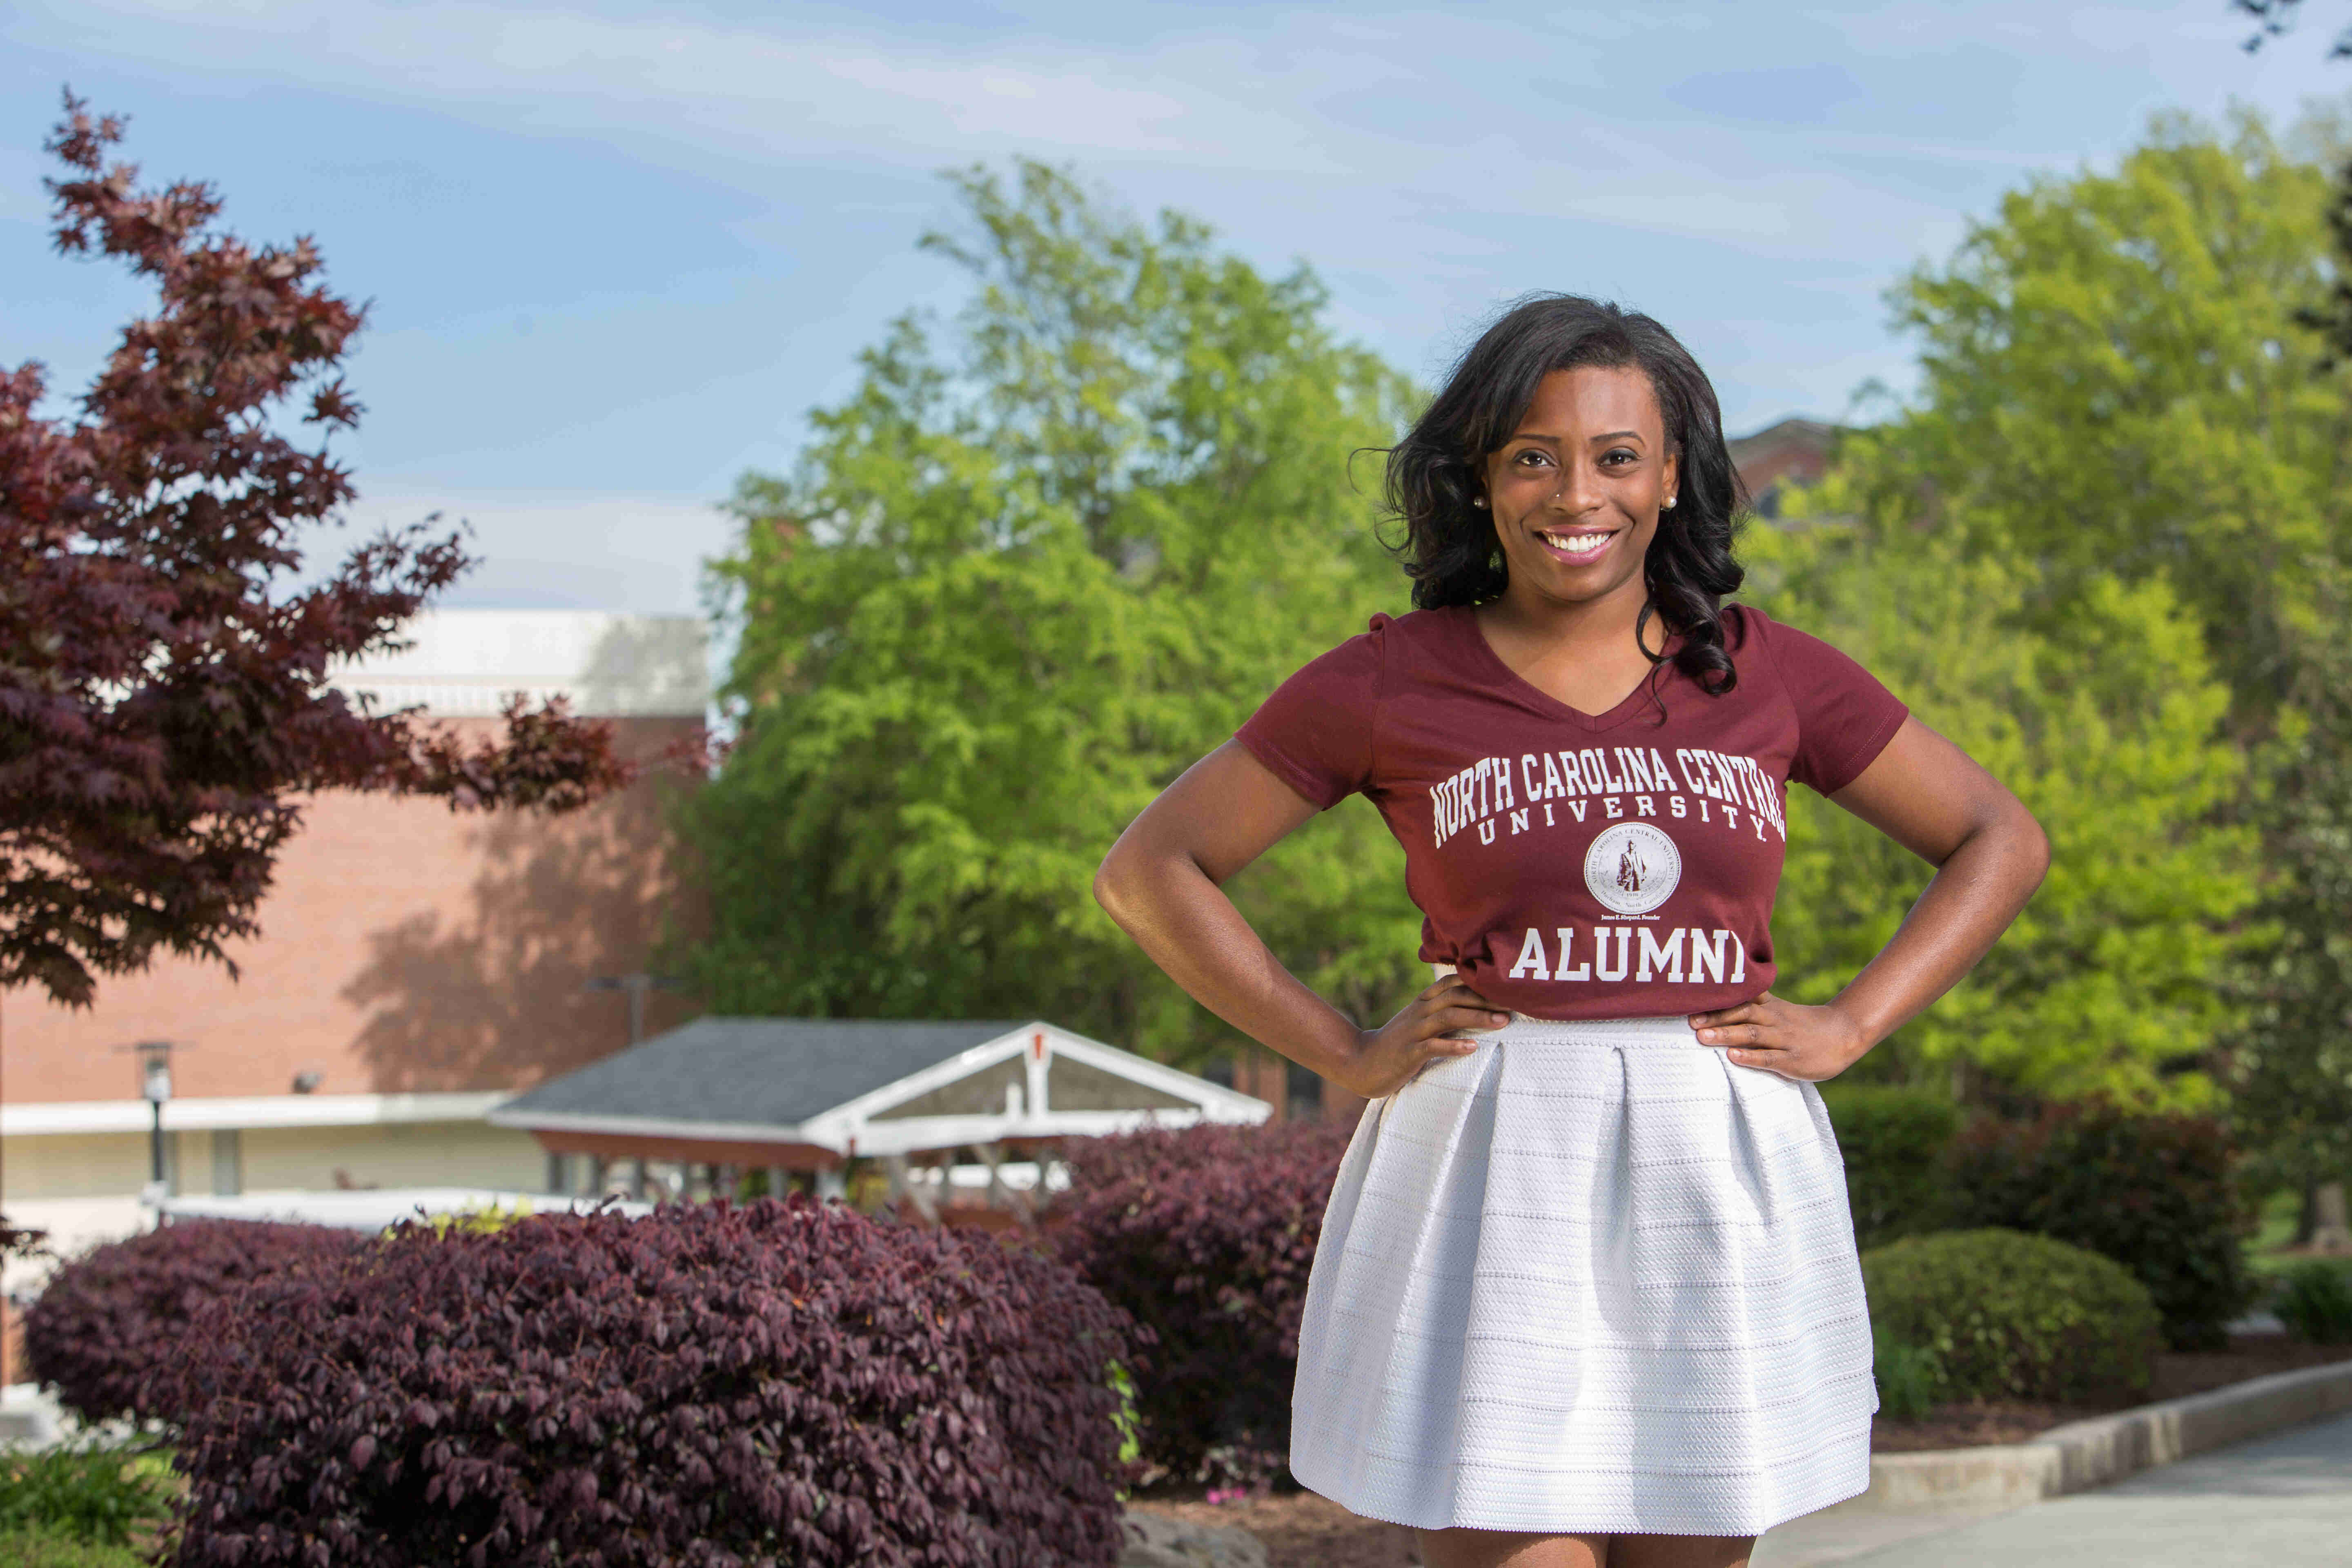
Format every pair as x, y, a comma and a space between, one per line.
1576, 490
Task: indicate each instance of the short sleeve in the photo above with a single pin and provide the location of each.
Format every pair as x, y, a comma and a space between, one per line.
1844, 716
1315, 733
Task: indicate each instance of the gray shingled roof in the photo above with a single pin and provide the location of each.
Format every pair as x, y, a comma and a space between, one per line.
767, 1072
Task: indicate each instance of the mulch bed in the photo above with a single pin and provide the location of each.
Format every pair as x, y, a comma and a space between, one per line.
1303, 1531
1300, 1531
2178, 1375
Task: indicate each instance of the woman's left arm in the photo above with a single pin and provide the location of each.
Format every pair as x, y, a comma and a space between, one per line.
1989, 854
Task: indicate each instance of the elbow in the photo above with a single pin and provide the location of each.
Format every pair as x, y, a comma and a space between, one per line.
1114, 887
2032, 848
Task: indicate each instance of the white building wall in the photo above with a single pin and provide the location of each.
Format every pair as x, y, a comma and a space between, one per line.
83, 1188
465, 662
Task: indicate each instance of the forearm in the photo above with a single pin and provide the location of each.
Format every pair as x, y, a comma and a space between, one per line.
1188, 926
1973, 896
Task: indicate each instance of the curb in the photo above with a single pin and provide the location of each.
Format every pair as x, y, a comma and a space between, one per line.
2085, 1454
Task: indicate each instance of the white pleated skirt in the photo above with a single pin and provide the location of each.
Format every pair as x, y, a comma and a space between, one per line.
1593, 1280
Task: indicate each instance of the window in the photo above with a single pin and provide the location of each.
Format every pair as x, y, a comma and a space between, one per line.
228, 1162
1303, 1087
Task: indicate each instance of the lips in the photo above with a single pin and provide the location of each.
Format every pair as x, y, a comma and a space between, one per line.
1576, 544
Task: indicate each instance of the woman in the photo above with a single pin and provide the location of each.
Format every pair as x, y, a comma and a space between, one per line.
1587, 1290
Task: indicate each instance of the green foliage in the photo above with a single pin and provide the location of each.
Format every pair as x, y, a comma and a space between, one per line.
40, 1546
2291, 1061
2314, 1302
1128, 1421
2121, 395
2115, 386
2155, 1194
2008, 1316
2112, 982
1908, 1378
1894, 1141
93, 1494
478, 1219
1024, 574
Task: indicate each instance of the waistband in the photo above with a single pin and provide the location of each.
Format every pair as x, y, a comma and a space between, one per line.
1619, 1033
1522, 1031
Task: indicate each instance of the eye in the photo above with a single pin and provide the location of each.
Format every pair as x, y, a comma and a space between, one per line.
1533, 458
1619, 456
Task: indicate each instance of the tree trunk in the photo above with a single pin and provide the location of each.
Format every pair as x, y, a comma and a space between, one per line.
2333, 1233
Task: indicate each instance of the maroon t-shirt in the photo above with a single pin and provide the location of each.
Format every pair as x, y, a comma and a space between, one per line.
1570, 865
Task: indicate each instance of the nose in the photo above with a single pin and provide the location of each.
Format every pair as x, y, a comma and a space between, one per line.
1579, 490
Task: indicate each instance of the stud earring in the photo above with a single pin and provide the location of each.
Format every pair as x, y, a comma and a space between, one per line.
1670, 503
1478, 501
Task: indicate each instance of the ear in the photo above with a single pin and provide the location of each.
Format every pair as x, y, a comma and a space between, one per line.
1673, 474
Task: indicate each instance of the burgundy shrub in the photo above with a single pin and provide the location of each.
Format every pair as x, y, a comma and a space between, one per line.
775, 1383
112, 1330
1205, 1237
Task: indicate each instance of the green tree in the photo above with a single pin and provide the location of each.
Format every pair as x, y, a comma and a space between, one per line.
2113, 382
2127, 457
2113, 981
1038, 562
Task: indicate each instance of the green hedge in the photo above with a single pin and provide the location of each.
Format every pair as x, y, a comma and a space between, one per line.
2314, 1302
2009, 1316
2157, 1194
1894, 1142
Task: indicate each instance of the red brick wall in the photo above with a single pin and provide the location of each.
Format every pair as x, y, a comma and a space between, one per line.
404, 948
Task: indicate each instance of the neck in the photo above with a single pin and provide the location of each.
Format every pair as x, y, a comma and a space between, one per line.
1591, 624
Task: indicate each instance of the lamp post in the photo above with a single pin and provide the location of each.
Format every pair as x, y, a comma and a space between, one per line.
637, 986
155, 1087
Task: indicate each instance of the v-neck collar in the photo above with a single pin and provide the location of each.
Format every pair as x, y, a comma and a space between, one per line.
1643, 695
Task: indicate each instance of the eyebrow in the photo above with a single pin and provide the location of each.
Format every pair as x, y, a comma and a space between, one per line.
1611, 435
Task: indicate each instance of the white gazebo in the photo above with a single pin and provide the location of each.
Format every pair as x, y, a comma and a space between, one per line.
939, 1106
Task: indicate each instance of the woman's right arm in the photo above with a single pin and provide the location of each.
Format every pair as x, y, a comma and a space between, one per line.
1163, 883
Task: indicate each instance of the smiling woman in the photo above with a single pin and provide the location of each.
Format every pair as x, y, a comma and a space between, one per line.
1482, 481
1586, 1292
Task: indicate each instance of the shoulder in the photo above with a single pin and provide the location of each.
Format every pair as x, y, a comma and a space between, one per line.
1751, 636
1389, 642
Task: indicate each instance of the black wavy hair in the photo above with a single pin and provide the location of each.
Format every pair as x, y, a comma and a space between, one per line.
1449, 548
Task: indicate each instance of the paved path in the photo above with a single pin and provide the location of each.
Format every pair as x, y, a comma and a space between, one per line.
2280, 1501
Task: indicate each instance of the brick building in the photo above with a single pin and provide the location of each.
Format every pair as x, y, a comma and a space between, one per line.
416, 966
1792, 451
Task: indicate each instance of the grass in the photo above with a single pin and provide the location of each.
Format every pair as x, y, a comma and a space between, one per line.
82, 1505
2274, 1230
43, 1546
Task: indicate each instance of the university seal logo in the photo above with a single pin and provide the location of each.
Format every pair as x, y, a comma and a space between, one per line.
1633, 868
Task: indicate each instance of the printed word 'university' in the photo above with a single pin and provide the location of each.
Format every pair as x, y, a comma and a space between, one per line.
1494, 790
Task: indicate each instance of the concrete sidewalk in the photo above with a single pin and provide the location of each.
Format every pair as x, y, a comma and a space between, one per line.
2280, 1501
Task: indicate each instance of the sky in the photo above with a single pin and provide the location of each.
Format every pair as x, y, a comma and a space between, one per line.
615, 253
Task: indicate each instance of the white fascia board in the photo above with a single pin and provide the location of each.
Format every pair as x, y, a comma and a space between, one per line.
838, 1127
661, 1127
931, 1133
853, 1113
224, 1111
1220, 1103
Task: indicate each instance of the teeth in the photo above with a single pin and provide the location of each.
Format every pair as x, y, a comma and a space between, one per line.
1576, 544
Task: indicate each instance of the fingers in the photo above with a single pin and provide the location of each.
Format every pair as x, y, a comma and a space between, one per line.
1457, 1020
1746, 1012
1781, 1063
1450, 1004
1451, 988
